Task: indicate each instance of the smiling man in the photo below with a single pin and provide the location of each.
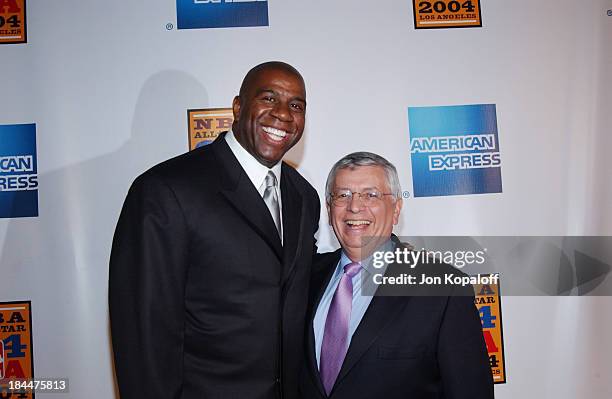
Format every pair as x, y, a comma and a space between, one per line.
273, 116
392, 347
211, 258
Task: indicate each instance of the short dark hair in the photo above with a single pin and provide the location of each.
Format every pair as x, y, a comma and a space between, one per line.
257, 69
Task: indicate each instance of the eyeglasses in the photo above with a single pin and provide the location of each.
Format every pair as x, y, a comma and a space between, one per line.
368, 198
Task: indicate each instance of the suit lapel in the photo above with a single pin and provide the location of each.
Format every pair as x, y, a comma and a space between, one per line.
293, 222
239, 191
315, 300
381, 311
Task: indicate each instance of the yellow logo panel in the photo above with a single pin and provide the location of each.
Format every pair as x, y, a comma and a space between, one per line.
429, 14
205, 124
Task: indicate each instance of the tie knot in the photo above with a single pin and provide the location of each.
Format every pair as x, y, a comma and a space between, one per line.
352, 269
270, 179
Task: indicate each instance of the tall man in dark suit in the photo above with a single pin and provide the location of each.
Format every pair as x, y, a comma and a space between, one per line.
360, 346
211, 258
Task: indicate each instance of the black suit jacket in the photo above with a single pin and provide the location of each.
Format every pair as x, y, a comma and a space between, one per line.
408, 347
204, 301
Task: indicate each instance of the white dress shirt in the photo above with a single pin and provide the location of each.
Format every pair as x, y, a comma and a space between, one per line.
256, 171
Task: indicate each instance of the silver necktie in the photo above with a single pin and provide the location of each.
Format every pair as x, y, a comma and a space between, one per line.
271, 199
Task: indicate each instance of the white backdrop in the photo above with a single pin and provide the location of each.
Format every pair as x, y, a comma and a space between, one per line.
108, 87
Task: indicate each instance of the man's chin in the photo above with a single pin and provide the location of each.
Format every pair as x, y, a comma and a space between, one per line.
365, 246
271, 152
371, 245
269, 159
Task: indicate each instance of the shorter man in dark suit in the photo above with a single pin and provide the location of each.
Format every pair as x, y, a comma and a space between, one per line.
359, 346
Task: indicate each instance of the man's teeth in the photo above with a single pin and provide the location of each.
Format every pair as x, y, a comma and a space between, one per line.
274, 134
357, 222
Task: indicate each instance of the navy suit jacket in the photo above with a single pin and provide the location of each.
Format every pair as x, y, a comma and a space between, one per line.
204, 301
406, 347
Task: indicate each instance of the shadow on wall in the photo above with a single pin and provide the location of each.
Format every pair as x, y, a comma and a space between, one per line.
60, 259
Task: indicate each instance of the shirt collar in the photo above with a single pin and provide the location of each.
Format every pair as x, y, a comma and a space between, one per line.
344, 260
255, 170
366, 264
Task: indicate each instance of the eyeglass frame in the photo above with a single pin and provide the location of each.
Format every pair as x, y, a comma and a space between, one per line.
365, 202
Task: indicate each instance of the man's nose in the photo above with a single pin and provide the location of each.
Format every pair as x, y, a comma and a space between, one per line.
355, 204
282, 112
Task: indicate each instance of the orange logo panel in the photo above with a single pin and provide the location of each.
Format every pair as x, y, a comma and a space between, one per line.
489, 306
15, 344
430, 14
12, 21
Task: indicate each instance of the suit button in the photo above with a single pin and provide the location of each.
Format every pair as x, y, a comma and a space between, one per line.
277, 380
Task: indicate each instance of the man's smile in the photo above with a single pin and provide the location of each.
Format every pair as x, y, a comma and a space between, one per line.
273, 133
357, 225
351, 222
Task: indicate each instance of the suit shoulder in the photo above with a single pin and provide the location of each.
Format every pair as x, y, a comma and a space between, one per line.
297, 178
427, 262
326, 258
182, 164
300, 182
189, 165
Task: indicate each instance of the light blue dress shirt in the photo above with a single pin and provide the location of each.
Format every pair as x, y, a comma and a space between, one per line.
360, 302
359, 306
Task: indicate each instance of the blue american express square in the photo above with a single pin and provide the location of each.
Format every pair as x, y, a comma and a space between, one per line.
18, 171
454, 150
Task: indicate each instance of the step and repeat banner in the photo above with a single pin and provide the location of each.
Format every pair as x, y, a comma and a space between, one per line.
495, 113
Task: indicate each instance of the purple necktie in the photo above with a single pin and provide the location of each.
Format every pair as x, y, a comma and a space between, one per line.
335, 336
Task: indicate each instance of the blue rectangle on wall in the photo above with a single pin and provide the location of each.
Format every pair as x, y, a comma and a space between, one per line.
18, 171
195, 14
454, 150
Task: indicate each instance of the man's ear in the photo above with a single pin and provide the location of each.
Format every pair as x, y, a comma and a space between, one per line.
397, 209
329, 220
236, 108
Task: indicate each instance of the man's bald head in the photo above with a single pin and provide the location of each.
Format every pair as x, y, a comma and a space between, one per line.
254, 73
